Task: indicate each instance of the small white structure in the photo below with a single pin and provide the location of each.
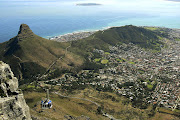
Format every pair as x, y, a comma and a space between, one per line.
47, 103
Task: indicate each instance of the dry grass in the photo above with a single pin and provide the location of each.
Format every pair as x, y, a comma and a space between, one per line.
115, 105
162, 116
62, 107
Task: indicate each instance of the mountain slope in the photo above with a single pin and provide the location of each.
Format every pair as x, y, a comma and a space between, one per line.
30, 55
117, 35
28, 52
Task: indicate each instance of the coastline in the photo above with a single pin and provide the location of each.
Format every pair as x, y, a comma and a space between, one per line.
77, 35
72, 36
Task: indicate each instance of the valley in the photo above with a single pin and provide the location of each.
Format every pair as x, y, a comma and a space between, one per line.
119, 73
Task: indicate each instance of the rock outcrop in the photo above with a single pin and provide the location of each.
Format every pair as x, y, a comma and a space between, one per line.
24, 32
9, 83
12, 102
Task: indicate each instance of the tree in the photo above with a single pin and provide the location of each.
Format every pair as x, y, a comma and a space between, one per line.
99, 110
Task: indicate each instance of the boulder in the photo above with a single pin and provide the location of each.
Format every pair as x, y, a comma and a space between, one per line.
8, 83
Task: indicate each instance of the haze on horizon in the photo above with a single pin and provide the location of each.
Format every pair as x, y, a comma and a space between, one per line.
57, 17
31, 7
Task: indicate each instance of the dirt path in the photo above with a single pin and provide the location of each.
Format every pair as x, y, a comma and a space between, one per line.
61, 57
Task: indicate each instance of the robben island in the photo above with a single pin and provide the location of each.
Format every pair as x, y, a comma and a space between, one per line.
54, 18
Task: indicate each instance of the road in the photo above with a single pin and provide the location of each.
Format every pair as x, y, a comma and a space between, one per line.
61, 57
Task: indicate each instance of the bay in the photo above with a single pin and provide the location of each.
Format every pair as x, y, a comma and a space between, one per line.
48, 18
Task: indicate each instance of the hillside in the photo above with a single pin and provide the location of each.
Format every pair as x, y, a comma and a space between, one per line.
30, 55
118, 106
95, 76
118, 35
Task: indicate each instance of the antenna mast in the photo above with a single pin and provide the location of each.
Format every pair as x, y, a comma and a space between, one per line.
47, 95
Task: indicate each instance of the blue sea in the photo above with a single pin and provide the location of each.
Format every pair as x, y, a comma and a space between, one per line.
48, 18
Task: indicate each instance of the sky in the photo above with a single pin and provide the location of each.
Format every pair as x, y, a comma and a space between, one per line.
174, 0
41, 13
68, 7
156, 7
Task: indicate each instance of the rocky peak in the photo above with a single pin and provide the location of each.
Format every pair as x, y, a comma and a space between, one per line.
12, 102
24, 29
24, 32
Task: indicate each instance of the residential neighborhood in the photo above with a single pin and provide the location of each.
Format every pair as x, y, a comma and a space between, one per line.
142, 75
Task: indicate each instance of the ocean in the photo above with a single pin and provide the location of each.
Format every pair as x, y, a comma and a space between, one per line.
48, 18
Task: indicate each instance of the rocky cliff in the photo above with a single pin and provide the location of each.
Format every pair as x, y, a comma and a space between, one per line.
12, 102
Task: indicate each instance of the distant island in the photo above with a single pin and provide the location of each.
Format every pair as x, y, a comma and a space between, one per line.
87, 4
174, 0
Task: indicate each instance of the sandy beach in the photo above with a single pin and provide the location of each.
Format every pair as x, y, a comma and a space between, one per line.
72, 36
76, 35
